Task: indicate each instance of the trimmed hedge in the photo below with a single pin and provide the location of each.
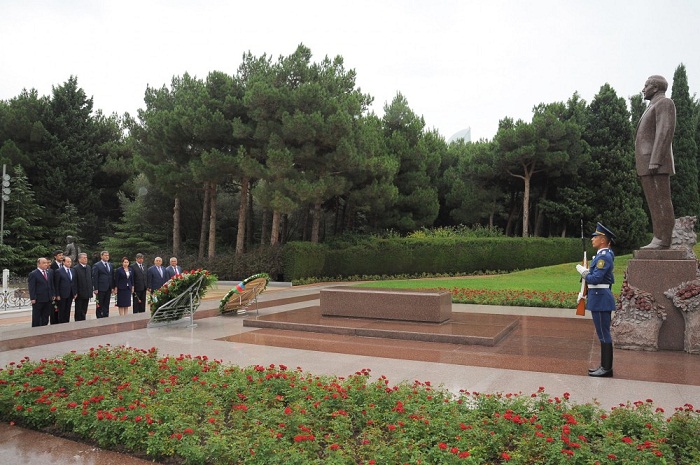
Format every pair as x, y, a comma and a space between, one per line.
397, 256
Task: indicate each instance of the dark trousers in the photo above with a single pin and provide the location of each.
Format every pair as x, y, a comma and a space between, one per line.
601, 320
81, 306
41, 312
64, 306
53, 316
139, 301
103, 298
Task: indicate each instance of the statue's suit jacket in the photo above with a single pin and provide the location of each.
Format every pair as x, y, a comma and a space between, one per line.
655, 135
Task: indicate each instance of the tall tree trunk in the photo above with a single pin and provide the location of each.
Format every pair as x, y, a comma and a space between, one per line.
212, 220
284, 228
242, 215
316, 223
265, 227
526, 206
511, 216
305, 225
176, 226
205, 222
275, 229
539, 216
249, 219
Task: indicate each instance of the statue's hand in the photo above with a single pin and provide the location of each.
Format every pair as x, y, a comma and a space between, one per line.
653, 168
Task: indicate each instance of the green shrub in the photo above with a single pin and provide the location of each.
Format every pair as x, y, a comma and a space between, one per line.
435, 254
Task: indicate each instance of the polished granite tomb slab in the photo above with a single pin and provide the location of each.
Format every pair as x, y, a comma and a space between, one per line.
387, 304
462, 328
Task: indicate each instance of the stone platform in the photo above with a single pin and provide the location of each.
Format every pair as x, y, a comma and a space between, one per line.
462, 328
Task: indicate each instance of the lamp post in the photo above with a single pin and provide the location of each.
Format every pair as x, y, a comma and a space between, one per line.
5, 197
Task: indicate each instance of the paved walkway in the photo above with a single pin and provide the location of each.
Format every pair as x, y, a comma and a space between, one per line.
551, 348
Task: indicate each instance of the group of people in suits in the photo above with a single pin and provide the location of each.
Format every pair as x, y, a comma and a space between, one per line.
55, 285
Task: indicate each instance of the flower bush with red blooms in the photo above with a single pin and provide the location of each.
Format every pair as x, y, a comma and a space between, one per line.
519, 298
179, 284
192, 410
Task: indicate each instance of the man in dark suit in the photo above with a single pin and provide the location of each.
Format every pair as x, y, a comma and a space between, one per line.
41, 292
157, 275
139, 272
654, 159
173, 269
83, 282
57, 260
66, 289
103, 284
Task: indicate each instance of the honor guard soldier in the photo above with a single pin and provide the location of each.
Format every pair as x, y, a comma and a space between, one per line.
601, 302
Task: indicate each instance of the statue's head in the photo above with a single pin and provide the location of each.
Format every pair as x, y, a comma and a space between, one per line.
70, 239
654, 85
659, 81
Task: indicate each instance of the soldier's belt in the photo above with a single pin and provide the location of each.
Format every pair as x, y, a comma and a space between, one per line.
599, 286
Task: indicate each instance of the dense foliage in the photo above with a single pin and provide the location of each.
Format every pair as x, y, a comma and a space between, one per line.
190, 410
287, 150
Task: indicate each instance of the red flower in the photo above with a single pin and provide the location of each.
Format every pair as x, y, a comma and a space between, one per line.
442, 446
505, 456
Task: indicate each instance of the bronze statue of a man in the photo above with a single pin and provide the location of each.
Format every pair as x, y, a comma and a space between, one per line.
72, 250
654, 159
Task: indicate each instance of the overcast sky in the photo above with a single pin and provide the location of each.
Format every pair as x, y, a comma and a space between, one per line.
459, 63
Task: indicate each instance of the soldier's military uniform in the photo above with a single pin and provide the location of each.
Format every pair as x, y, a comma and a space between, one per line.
601, 302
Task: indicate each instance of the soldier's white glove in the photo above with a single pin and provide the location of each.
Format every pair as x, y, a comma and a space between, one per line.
582, 270
580, 297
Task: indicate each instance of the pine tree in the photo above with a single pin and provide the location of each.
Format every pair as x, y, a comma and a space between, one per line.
25, 236
684, 185
617, 197
417, 204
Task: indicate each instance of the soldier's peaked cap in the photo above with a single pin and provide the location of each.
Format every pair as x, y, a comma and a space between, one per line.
601, 230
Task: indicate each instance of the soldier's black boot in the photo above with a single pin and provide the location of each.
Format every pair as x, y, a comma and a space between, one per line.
593, 370
606, 355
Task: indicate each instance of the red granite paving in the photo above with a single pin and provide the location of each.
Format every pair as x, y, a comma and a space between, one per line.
540, 344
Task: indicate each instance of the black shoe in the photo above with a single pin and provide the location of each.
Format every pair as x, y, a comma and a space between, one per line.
593, 370
606, 356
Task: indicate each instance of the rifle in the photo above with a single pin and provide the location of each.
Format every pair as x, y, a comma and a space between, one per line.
581, 302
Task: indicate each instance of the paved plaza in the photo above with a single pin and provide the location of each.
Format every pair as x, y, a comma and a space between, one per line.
550, 348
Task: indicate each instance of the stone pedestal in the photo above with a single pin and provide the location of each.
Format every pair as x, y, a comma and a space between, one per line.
692, 332
656, 271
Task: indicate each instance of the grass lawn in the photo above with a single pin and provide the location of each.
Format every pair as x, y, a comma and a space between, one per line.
557, 278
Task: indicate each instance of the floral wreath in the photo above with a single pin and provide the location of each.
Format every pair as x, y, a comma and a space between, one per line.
240, 289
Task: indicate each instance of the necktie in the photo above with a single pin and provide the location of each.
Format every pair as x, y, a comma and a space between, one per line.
160, 270
45, 277
70, 276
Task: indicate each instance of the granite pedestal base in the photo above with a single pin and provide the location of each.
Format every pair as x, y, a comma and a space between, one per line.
656, 271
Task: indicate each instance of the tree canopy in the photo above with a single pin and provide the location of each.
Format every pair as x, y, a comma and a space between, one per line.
287, 148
